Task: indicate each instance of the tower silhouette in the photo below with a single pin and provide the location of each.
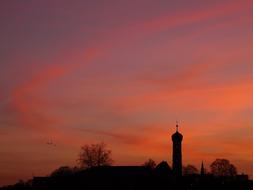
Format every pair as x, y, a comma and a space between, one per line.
202, 170
177, 153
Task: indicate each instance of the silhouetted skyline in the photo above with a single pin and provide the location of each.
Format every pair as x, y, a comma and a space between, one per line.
95, 172
122, 72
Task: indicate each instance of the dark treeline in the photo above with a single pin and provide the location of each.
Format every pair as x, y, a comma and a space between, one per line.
96, 173
131, 177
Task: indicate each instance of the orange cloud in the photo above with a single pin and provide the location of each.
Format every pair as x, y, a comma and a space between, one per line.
162, 23
21, 97
185, 90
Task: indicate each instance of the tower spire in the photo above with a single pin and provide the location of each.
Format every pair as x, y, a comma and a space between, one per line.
202, 172
177, 152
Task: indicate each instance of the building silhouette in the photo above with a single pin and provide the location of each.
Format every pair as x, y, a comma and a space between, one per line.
177, 153
136, 177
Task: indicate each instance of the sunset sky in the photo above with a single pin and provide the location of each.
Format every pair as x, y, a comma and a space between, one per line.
122, 73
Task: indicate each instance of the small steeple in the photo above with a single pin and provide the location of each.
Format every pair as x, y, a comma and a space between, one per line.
177, 125
202, 172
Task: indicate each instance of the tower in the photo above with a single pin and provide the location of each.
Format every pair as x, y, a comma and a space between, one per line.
177, 153
202, 171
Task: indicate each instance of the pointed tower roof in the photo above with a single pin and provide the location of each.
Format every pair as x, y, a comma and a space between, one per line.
202, 172
177, 136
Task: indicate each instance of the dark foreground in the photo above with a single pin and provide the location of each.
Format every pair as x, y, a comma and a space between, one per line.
132, 178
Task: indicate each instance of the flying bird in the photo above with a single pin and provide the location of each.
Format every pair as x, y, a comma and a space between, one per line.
50, 143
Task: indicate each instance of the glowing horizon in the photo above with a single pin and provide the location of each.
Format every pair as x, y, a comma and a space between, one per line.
123, 73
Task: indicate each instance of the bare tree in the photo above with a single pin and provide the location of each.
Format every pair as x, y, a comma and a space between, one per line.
150, 164
190, 169
94, 155
222, 167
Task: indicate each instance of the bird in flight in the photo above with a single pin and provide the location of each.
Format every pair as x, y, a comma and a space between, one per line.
50, 143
